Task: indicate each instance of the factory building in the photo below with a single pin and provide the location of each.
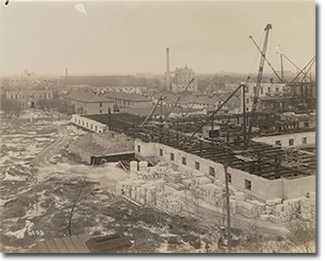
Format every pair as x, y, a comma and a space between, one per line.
129, 100
81, 102
28, 98
182, 78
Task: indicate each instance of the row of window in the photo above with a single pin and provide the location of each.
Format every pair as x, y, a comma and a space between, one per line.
212, 171
87, 125
129, 103
23, 96
291, 142
268, 89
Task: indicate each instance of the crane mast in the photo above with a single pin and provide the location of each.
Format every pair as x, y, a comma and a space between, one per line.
258, 85
258, 48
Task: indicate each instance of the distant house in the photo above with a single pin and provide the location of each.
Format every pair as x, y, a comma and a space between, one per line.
80, 102
215, 86
80, 87
208, 110
129, 100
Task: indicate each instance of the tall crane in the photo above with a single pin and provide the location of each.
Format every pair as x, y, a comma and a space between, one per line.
259, 49
258, 85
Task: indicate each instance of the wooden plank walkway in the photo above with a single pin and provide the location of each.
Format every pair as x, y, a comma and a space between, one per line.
73, 244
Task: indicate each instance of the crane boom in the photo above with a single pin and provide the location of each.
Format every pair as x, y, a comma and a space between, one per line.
189, 83
258, 85
300, 71
218, 109
151, 112
189, 109
281, 80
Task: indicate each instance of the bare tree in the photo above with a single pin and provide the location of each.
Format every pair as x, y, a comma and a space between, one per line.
302, 234
75, 202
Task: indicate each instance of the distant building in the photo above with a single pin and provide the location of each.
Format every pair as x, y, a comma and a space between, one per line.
303, 139
129, 100
28, 98
88, 124
280, 97
80, 102
182, 77
80, 87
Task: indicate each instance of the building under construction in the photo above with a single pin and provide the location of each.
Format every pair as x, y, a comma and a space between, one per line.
267, 153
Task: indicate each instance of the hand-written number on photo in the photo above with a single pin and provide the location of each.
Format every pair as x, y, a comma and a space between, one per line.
36, 233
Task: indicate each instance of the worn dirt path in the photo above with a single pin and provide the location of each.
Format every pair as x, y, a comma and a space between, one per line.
42, 159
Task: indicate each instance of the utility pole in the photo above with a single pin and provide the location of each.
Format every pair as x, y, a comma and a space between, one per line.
228, 207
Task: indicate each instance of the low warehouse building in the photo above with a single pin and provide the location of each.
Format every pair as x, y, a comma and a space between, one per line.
82, 102
129, 100
88, 124
96, 148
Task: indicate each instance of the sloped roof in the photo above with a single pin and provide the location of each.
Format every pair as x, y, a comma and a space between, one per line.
86, 97
144, 111
210, 108
165, 110
126, 96
208, 100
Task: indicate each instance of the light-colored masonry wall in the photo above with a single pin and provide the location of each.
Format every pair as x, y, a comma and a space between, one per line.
298, 139
261, 188
297, 187
87, 123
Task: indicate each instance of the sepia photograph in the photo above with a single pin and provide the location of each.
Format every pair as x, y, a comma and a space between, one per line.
158, 126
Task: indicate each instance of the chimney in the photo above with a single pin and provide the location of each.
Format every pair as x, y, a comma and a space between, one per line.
167, 71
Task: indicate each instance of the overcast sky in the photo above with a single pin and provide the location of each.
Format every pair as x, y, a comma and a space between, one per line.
131, 37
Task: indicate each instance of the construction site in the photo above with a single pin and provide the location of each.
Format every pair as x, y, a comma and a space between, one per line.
260, 163
173, 182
